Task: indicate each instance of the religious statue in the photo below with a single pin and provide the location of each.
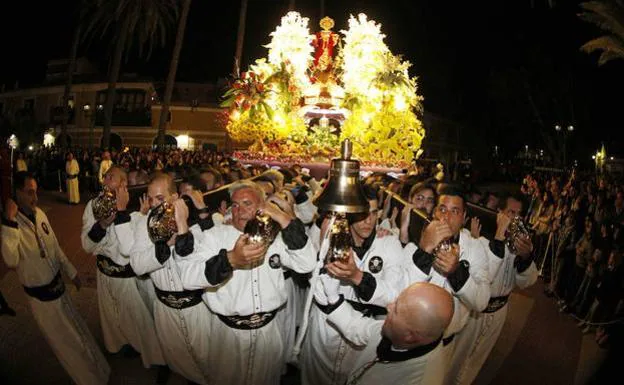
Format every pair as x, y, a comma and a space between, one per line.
324, 42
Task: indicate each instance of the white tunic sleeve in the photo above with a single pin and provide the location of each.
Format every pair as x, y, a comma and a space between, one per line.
412, 272
302, 260
88, 221
10, 241
143, 251
356, 328
475, 293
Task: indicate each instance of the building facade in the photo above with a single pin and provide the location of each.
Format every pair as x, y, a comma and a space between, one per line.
192, 122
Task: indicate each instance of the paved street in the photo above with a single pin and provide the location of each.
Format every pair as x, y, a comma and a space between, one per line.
538, 344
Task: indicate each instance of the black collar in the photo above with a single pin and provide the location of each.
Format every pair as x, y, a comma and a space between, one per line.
366, 245
32, 217
385, 352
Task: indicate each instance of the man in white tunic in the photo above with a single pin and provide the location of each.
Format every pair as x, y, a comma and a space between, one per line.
182, 320
405, 348
248, 292
462, 270
124, 316
370, 280
29, 245
72, 170
517, 270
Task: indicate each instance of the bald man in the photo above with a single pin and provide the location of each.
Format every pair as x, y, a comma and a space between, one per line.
125, 318
403, 349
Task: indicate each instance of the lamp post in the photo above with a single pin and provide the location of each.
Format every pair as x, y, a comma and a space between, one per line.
565, 131
90, 118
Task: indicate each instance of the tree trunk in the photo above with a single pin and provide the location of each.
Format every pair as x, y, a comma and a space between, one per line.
113, 76
70, 78
240, 37
173, 69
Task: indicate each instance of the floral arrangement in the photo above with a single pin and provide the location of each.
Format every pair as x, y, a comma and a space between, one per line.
379, 99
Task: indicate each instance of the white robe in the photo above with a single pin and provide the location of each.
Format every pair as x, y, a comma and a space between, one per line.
472, 296
59, 321
483, 329
124, 316
428, 369
73, 191
326, 356
257, 356
183, 333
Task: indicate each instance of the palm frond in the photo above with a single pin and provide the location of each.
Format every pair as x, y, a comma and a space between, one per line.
611, 47
146, 23
606, 15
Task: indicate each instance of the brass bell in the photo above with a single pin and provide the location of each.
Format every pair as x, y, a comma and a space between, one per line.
343, 192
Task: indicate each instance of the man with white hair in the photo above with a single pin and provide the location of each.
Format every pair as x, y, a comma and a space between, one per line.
247, 290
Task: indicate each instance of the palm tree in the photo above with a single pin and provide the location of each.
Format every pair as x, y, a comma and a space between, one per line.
70, 78
240, 37
608, 16
145, 23
173, 69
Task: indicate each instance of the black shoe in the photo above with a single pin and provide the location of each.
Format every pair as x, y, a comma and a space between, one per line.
8, 311
163, 374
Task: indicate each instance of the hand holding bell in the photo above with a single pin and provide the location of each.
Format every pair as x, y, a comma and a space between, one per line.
446, 261
345, 270
278, 210
181, 212
502, 223
524, 247
434, 234
246, 253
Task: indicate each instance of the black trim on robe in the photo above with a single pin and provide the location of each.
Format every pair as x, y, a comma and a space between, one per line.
163, 252
122, 217
522, 264
218, 268
10, 223
498, 248
367, 286
184, 244
97, 232
294, 235
423, 260
329, 308
206, 223
301, 196
385, 352
458, 278
361, 251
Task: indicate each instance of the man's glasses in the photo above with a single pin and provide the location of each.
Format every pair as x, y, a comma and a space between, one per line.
421, 198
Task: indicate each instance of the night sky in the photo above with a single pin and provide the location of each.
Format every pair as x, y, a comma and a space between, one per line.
467, 56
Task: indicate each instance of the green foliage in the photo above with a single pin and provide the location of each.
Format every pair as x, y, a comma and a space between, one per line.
609, 17
145, 22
